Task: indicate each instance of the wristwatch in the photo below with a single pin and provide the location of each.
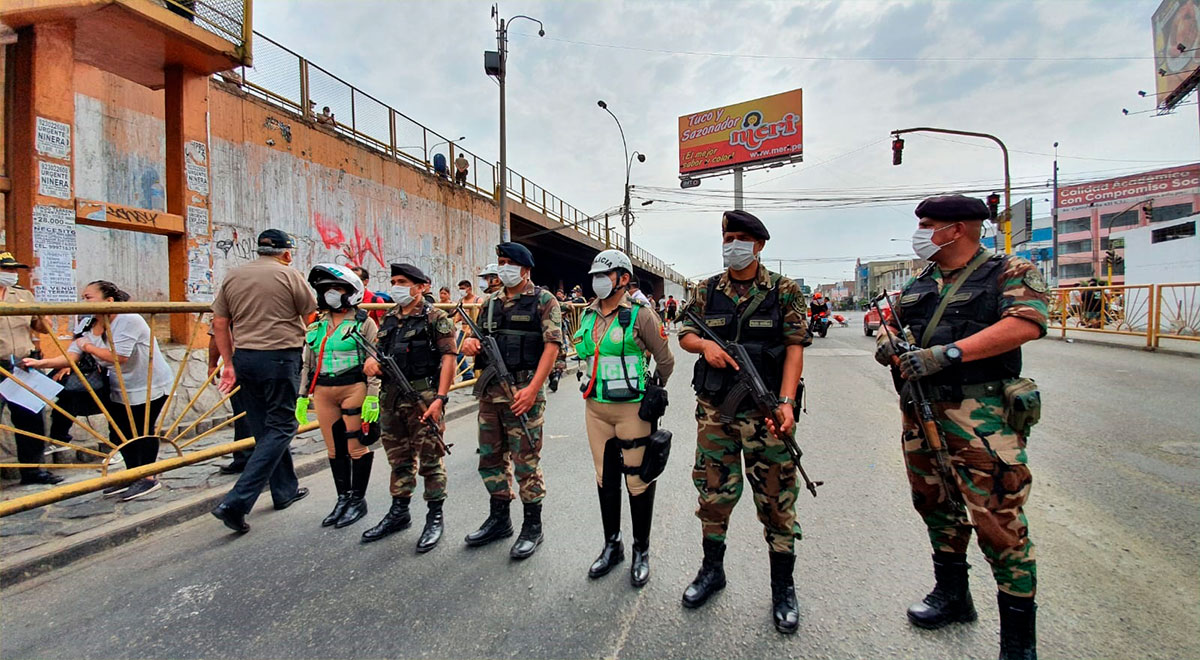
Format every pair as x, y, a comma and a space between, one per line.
788, 400
954, 353
445, 399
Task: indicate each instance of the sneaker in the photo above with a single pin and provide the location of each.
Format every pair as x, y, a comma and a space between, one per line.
140, 488
114, 490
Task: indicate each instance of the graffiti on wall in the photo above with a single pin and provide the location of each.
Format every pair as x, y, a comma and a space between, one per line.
353, 252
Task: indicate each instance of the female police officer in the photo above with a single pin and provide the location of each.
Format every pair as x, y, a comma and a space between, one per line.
615, 334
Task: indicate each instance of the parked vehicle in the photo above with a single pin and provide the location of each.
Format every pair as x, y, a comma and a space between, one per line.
821, 323
871, 319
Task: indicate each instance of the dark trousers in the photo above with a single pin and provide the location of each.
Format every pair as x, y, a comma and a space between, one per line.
141, 452
269, 382
241, 429
29, 450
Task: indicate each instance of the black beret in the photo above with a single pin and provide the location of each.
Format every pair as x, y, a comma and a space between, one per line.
744, 222
410, 271
519, 254
275, 238
953, 208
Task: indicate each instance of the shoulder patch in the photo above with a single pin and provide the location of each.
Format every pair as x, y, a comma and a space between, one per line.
1034, 280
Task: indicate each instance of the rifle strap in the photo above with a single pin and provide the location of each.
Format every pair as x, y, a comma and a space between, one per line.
755, 303
978, 261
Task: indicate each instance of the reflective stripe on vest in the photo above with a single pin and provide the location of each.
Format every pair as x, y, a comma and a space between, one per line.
621, 372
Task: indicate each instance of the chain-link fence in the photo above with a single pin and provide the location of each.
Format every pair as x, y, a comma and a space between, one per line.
224, 18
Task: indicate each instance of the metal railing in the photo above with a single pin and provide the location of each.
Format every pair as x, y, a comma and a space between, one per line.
228, 19
295, 85
1142, 310
178, 425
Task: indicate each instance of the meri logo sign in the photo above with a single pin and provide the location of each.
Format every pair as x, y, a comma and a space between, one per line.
758, 131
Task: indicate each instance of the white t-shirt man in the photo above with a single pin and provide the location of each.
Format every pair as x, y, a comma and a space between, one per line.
131, 338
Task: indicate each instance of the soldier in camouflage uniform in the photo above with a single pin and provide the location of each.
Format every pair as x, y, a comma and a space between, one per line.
968, 314
420, 338
763, 311
526, 322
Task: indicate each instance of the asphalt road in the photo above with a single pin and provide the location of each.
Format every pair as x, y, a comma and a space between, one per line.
1114, 513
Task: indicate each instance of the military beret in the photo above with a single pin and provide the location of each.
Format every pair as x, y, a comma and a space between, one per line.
744, 222
275, 239
953, 208
519, 254
410, 271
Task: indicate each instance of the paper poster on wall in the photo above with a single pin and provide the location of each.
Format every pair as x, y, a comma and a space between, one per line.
53, 138
54, 243
197, 221
54, 180
196, 165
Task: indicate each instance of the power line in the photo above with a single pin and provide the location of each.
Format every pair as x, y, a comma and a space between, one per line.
845, 58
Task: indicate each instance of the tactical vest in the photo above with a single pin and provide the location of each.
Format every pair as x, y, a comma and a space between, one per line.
341, 358
518, 331
618, 373
410, 341
758, 327
974, 307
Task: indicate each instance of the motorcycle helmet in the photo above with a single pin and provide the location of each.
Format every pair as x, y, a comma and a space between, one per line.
324, 276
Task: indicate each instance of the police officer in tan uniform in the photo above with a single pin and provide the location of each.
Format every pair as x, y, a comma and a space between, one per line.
17, 341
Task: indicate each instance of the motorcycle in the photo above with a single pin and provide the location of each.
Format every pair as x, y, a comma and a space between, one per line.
821, 323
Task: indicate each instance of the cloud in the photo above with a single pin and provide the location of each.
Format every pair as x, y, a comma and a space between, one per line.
425, 59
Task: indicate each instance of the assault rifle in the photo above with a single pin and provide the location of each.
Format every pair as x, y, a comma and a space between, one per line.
749, 383
927, 422
496, 369
404, 389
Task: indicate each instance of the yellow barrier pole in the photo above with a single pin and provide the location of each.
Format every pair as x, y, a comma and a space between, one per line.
1158, 293
207, 413
196, 397
116, 361
187, 356
149, 382
209, 432
1063, 297
60, 443
95, 397
8, 374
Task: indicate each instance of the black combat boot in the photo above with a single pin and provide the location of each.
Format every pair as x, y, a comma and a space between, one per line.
1018, 638
360, 476
783, 593
711, 577
531, 532
434, 524
641, 510
340, 467
610, 517
497, 526
396, 519
950, 601
554, 381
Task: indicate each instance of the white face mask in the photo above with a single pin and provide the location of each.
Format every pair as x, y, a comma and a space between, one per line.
8, 279
333, 298
483, 284
738, 254
923, 245
510, 275
602, 285
462, 292
402, 295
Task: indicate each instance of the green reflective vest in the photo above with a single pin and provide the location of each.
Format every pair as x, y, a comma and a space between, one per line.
342, 353
618, 373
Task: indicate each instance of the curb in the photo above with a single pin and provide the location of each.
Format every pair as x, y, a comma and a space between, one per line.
49, 556
1099, 342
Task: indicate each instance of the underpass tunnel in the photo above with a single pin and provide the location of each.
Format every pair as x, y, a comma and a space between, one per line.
562, 261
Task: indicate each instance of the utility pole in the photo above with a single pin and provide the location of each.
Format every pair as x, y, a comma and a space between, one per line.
626, 212
495, 63
739, 203
1054, 217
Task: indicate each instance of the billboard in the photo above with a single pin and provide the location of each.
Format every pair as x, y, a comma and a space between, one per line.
752, 132
1129, 189
1022, 221
1176, 50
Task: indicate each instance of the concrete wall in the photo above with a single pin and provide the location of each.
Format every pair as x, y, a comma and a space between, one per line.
342, 202
1161, 263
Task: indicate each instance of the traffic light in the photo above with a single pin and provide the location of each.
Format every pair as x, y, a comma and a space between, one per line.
993, 204
1148, 210
897, 150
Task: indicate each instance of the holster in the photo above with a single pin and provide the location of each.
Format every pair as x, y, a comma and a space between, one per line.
1022, 404
658, 450
654, 403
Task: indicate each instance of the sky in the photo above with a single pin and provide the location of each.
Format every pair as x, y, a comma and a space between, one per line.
1032, 73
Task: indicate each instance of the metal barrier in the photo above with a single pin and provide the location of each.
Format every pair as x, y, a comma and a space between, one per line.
1178, 305
288, 81
228, 19
178, 431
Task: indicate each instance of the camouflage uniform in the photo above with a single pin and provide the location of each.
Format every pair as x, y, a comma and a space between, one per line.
987, 455
406, 439
717, 472
503, 447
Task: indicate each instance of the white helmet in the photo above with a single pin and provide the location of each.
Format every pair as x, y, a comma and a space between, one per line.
490, 269
323, 276
609, 260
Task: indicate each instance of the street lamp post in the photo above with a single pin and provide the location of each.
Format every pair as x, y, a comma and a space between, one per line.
438, 144
495, 64
626, 212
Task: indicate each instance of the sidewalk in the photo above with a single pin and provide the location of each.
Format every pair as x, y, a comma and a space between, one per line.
35, 541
